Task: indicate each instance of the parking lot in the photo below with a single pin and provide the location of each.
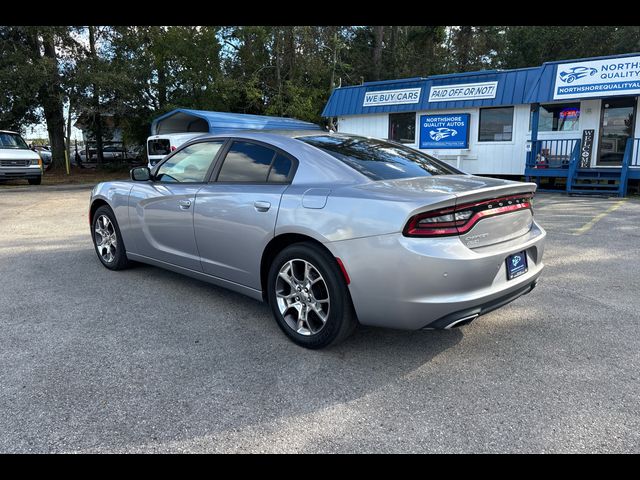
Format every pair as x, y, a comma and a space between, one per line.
146, 360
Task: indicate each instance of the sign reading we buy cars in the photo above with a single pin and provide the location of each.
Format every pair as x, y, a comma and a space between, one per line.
391, 97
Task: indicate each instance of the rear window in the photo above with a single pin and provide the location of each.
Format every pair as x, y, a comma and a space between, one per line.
159, 146
380, 160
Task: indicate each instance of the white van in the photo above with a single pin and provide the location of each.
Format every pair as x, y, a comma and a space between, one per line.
158, 146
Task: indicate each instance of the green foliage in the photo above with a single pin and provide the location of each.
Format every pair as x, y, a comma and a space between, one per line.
139, 72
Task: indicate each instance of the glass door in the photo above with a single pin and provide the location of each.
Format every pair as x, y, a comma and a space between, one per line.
616, 125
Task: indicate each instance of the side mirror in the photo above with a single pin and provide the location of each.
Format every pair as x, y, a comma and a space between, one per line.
140, 174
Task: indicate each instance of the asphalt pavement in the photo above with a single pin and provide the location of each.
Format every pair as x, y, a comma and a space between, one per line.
146, 360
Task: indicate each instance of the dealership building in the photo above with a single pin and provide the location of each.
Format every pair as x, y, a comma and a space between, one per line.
573, 122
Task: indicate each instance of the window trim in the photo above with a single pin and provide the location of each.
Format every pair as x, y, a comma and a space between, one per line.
220, 162
499, 142
212, 167
554, 132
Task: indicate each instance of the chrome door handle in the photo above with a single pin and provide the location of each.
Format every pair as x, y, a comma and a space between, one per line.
262, 206
184, 204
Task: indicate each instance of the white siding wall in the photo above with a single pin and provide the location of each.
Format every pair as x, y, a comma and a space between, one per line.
499, 158
368, 125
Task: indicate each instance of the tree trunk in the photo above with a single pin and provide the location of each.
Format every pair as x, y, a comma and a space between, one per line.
378, 36
68, 136
278, 61
97, 118
393, 51
463, 47
51, 96
334, 62
162, 84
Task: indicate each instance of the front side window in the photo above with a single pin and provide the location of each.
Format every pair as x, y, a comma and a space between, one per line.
496, 124
12, 141
402, 127
379, 160
562, 117
248, 162
189, 165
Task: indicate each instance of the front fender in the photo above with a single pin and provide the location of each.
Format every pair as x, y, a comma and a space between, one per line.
116, 195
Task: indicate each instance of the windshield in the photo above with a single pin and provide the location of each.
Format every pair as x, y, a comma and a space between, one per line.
12, 140
378, 159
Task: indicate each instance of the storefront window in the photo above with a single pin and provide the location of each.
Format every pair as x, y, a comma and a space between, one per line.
561, 117
402, 127
496, 124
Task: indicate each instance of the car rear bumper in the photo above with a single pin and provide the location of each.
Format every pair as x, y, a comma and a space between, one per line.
414, 283
7, 173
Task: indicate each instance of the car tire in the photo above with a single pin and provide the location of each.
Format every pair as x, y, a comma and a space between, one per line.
35, 181
312, 331
111, 253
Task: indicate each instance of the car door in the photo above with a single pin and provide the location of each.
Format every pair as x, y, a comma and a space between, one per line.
161, 210
235, 214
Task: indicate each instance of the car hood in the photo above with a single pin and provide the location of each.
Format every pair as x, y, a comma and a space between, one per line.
17, 154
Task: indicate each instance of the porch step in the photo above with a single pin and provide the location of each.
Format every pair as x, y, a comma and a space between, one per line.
597, 193
595, 185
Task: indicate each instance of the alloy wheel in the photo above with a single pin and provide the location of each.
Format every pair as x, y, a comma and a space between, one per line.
302, 297
106, 239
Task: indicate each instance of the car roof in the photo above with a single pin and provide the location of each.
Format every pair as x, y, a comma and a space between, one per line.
281, 133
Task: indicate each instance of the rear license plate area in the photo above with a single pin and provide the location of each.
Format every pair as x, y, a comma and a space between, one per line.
517, 265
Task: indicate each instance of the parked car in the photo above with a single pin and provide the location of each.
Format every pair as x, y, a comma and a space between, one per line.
329, 229
159, 146
45, 154
17, 160
110, 153
135, 153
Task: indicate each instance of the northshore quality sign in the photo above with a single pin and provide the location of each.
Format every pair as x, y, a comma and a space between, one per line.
595, 78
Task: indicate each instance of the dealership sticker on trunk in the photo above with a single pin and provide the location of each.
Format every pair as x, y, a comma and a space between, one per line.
516, 265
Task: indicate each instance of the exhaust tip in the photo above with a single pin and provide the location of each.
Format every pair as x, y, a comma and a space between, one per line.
461, 321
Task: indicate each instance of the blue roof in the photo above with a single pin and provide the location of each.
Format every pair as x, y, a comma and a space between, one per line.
515, 87
512, 88
187, 120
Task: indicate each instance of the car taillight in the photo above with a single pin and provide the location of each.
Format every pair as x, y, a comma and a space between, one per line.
461, 218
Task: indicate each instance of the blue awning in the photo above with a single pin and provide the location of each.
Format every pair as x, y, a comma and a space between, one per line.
514, 87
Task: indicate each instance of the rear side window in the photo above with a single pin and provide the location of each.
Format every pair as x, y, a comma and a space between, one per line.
248, 162
159, 146
379, 160
280, 169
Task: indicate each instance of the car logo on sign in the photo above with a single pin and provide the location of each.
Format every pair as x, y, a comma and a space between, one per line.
442, 132
576, 73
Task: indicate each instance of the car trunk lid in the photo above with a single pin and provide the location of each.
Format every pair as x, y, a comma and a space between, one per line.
500, 208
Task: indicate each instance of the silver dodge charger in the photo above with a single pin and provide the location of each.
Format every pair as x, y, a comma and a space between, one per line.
330, 229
